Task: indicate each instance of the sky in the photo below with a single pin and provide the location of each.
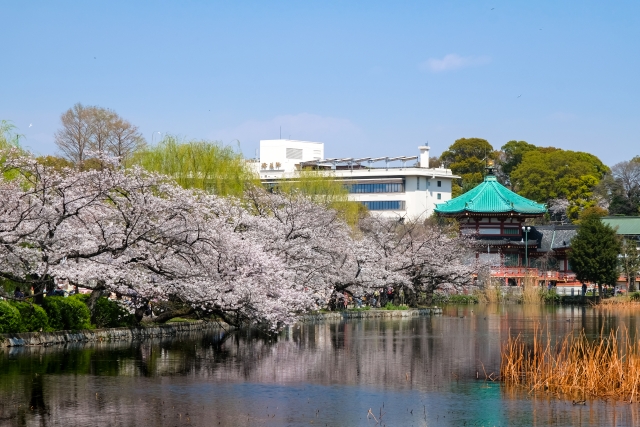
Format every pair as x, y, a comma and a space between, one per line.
367, 78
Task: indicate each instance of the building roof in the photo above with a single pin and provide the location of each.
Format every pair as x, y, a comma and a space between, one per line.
554, 237
624, 225
491, 197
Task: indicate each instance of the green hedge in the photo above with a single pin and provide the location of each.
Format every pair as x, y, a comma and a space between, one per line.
33, 317
67, 314
60, 313
10, 320
110, 314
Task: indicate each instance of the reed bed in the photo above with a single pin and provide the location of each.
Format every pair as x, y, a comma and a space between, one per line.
531, 292
575, 367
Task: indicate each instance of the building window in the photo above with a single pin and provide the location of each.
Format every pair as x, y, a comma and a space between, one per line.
385, 205
439, 196
294, 153
439, 183
376, 188
511, 231
418, 183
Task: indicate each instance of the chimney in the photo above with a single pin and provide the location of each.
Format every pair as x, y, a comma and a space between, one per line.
424, 156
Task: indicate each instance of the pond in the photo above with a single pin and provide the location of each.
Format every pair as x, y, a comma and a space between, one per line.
422, 371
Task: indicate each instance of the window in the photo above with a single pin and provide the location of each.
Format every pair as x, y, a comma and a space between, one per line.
439, 183
294, 153
439, 196
385, 205
511, 231
418, 183
376, 188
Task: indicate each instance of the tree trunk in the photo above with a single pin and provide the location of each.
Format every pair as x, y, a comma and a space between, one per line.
411, 297
632, 282
600, 294
98, 292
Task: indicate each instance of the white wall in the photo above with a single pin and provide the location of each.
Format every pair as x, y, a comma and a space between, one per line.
273, 151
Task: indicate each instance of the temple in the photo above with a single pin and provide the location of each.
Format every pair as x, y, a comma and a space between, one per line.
494, 217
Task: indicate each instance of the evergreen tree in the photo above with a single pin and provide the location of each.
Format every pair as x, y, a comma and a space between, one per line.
594, 252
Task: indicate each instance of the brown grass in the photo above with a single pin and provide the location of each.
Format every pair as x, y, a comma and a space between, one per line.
531, 291
607, 368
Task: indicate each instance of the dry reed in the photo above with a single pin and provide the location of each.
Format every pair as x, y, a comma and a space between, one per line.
530, 290
607, 368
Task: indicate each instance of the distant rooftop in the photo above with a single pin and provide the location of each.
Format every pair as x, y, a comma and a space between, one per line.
356, 163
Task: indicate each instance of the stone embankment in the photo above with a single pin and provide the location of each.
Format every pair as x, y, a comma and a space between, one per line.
108, 335
371, 314
174, 329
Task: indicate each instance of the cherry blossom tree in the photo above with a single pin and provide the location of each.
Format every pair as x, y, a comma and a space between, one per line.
133, 232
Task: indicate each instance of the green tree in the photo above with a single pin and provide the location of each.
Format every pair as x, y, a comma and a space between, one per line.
630, 262
205, 165
467, 157
549, 173
594, 252
511, 157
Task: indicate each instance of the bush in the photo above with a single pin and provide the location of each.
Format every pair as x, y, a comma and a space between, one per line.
10, 320
463, 299
635, 296
33, 317
551, 297
67, 313
390, 306
111, 314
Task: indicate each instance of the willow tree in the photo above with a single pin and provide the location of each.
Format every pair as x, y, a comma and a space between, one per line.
322, 188
201, 164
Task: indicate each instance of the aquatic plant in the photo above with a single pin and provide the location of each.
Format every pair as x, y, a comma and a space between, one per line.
574, 366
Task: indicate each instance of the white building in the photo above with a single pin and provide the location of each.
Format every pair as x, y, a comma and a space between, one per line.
410, 189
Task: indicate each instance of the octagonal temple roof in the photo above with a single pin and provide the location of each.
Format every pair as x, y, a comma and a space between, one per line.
491, 197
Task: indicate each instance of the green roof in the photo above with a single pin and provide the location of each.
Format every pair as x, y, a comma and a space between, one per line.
491, 197
624, 225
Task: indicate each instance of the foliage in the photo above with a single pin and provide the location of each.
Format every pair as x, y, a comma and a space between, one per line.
594, 252
512, 154
548, 173
551, 297
33, 317
635, 296
390, 306
462, 299
67, 314
629, 262
111, 314
467, 157
620, 190
10, 320
204, 165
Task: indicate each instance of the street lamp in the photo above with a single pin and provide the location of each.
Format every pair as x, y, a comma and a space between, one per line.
526, 231
154, 134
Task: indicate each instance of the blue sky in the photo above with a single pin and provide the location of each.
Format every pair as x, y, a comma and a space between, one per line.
366, 78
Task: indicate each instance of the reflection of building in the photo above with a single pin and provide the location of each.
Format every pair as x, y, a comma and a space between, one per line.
494, 217
410, 190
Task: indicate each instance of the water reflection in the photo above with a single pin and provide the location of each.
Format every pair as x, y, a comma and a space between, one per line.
419, 371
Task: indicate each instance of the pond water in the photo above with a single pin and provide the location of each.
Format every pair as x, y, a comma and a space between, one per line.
423, 371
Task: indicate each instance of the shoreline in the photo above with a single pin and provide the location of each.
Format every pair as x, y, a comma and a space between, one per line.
44, 339
28, 339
